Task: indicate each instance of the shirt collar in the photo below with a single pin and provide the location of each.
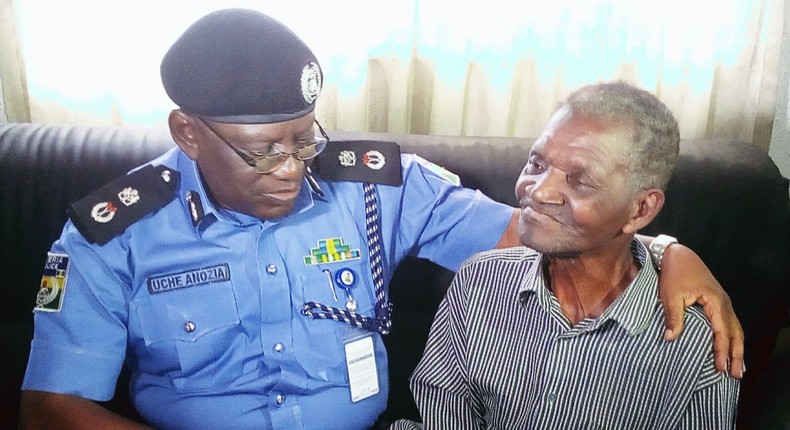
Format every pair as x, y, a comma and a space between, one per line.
534, 283
633, 309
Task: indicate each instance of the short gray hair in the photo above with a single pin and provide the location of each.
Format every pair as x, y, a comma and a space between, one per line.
656, 136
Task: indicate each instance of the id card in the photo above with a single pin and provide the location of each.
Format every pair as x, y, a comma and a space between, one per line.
363, 376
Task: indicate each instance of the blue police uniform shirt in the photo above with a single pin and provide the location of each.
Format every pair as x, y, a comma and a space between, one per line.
207, 314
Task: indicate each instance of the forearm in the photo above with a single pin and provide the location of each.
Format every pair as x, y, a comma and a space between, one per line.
42, 410
510, 235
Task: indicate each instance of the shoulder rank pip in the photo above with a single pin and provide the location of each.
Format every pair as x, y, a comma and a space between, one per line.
370, 161
109, 211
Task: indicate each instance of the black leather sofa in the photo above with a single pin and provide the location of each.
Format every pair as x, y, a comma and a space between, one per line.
726, 200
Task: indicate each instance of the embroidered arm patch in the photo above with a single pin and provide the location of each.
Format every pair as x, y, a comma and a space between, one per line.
439, 170
53, 283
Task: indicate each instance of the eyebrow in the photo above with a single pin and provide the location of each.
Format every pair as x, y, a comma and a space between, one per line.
575, 167
307, 133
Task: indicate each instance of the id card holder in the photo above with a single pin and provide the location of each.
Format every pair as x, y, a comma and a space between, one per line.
363, 375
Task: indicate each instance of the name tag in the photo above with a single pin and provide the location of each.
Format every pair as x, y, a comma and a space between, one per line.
363, 376
189, 278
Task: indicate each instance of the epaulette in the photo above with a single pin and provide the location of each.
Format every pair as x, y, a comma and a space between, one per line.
370, 161
107, 212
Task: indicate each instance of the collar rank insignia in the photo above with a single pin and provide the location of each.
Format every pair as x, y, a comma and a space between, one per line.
195, 207
107, 212
376, 162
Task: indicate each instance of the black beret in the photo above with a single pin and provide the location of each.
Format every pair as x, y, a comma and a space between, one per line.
241, 66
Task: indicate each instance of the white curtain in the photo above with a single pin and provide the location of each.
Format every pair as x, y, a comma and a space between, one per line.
494, 68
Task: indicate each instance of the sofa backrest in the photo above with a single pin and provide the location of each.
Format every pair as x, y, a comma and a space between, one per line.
726, 200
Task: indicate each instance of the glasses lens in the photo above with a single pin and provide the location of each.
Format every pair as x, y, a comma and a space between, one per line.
271, 163
311, 150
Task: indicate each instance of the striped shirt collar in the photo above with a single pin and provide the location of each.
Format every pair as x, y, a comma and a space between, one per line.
633, 309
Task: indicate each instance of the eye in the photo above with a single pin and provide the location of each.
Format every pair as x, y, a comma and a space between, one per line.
305, 141
268, 151
534, 166
578, 181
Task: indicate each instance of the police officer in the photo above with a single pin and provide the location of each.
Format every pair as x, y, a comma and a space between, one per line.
243, 289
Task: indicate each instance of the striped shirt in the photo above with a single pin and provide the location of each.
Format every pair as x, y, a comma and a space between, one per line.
501, 355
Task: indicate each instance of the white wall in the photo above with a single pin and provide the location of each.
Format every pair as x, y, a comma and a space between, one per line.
3, 116
780, 137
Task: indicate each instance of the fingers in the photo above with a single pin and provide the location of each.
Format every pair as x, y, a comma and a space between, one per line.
728, 353
727, 338
721, 349
738, 365
728, 335
674, 311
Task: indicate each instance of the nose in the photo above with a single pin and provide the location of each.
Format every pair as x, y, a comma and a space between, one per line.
547, 188
290, 167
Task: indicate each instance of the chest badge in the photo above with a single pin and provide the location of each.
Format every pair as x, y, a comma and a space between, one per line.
331, 250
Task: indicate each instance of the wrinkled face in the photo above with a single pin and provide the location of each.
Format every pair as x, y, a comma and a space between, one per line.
573, 191
236, 185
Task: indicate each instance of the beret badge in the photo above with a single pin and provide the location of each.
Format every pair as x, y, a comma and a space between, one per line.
311, 82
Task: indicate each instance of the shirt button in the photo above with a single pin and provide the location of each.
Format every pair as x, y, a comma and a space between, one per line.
271, 269
551, 397
280, 399
279, 347
189, 326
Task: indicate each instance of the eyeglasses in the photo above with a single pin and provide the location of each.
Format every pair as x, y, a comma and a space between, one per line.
269, 162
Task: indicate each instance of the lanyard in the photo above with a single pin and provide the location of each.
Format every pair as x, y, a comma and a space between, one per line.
383, 310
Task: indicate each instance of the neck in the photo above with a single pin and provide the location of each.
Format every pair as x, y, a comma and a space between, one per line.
586, 285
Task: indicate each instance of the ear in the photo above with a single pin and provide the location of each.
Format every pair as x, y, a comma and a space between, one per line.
185, 133
647, 205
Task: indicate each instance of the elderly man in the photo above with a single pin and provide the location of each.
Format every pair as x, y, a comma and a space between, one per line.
566, 333
241, 289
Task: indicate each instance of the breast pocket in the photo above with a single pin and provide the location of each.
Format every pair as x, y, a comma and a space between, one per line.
346, 287
193, 335
321, 350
